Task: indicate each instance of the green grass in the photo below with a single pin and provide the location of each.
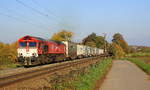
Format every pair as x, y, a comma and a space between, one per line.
142, 60
88, 81
145, 59
138, 54
144, 66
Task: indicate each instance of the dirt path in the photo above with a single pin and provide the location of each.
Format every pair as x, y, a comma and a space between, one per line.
124, 75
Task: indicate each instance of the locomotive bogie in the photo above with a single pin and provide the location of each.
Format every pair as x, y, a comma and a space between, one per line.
28, 61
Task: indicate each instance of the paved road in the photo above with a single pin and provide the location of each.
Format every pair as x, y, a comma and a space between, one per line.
124, 75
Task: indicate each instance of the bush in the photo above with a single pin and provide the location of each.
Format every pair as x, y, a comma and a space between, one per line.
7, 63
8, 55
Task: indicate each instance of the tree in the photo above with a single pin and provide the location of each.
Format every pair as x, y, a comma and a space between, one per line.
95, 41
13, 50
1, 45
92, 44
8, 52
63, 36
89, 38
100, 42
119, 40
116, 51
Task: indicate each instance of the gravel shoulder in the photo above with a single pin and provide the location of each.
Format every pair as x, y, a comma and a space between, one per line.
125, 75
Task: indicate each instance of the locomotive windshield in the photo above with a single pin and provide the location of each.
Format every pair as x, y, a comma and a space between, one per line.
23, 44
32, 44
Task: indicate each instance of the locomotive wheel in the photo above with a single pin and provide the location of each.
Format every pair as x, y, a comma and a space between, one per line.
41, 59
46, 60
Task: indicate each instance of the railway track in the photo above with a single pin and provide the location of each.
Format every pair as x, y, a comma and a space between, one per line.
13, 79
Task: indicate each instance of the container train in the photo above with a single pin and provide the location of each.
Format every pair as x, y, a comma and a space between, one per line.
35, 50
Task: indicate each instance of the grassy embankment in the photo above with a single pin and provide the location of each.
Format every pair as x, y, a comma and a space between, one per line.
82, 79
88, 81
142, 60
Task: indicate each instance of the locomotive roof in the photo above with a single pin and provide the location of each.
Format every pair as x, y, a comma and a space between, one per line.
38, 38
58, 42
41, 39
28, 37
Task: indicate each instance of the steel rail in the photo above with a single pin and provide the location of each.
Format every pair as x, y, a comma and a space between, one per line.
9, 80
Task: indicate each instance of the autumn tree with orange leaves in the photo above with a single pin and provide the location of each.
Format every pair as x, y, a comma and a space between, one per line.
8, 55
119, 40
116, 51
63, 35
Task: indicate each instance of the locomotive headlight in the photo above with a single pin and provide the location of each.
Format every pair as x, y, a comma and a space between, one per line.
20, 54
33, 54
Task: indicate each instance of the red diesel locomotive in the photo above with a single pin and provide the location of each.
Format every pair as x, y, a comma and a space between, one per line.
35, 50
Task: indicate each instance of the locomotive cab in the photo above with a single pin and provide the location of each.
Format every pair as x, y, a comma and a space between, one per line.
28, 49
35, 51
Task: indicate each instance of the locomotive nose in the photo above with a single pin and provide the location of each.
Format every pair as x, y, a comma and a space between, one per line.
32, 52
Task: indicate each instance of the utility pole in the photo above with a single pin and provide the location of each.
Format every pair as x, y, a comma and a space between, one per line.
105, 34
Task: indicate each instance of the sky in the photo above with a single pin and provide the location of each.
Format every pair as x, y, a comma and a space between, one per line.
43, 18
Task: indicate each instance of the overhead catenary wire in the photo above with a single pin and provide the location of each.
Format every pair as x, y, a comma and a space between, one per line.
26, 19
33, 9
36, 10
21, 20
47, 10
